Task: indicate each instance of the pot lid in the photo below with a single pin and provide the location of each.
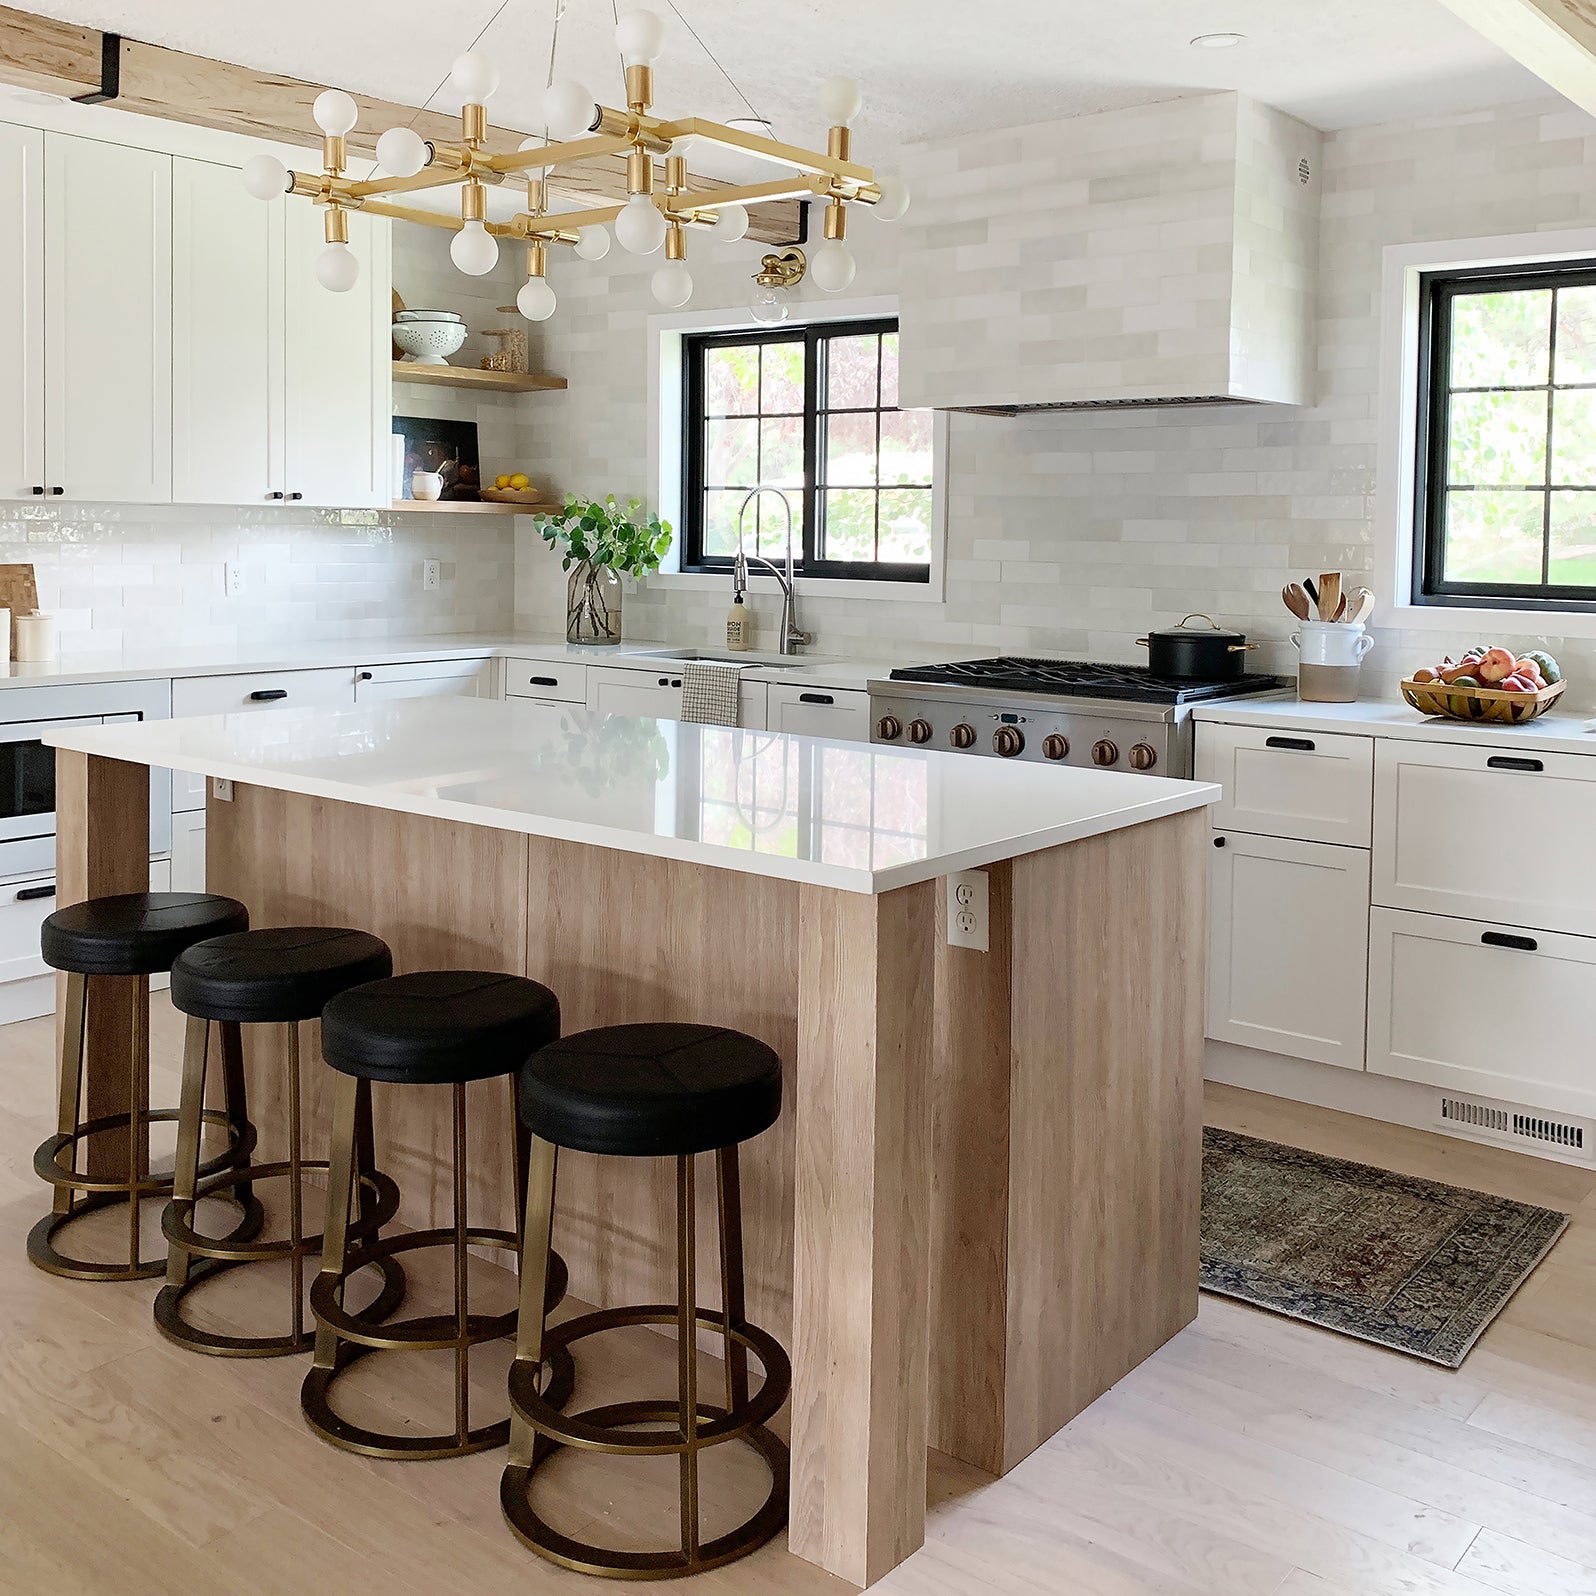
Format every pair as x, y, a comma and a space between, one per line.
1209, 628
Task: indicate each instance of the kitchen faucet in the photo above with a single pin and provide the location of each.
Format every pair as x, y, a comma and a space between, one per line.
792, 639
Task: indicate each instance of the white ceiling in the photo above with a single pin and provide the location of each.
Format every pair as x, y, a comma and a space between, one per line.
928, 67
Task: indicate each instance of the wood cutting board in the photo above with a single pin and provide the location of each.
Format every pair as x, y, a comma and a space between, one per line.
19, 593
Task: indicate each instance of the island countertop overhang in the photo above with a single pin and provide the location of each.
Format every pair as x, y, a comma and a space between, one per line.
851, 816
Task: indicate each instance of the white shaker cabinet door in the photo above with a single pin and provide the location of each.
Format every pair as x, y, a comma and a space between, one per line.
107, 321
227, 360
22, 312
1288, 943
613, 690
339, 366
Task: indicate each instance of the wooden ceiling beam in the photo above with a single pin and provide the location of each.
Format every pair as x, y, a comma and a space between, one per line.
1555, 39
54, 58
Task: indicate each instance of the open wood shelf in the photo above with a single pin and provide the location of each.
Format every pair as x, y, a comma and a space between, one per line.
471, 507
475, 377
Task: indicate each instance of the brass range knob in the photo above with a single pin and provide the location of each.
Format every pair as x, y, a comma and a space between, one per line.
1143, 756
1056, 747
1008, 741
889, 728
1104, 752
919, 731
962, 735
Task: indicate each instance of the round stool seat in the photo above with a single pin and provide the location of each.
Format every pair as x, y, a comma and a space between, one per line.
136, 933
438, 1026
645, 1091
282, 974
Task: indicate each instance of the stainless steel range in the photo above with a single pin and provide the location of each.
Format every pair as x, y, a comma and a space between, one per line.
1063, 711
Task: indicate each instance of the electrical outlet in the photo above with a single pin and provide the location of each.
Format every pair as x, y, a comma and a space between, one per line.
222, 788
431, 575
235, 579
969, 919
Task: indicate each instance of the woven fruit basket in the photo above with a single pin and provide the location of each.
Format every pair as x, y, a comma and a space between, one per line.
1480, 703
512, 495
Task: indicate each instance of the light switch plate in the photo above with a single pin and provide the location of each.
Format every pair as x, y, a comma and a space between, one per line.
969, 917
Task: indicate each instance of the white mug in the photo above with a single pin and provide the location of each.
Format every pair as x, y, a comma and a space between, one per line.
1331, 642
427, 484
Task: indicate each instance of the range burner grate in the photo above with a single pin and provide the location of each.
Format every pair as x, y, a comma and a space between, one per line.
1080, 679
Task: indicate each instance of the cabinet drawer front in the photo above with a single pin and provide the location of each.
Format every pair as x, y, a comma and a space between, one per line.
1288, 926
1281, 783
230, 695
1482, 1008
1487, 834
541, 678
436, 678
819, 711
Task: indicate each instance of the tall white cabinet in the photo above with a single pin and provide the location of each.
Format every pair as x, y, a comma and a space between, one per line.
21, 312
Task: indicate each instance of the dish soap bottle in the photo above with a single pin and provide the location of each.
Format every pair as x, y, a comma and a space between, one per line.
737, 627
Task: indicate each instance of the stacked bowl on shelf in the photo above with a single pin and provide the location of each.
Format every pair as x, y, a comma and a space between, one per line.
428, 337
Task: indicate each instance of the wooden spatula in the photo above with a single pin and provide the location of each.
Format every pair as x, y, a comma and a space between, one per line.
1295, 600
1329, 594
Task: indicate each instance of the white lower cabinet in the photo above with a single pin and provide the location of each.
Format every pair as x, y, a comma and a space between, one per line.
188, 851
1476, 1007
430, 678
818, 711
1288, 947
614, 690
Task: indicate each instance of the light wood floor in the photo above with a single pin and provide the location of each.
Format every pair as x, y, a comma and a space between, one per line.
1251, 1457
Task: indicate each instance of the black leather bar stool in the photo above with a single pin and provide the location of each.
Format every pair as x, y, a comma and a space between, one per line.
131, 936
648, 1091
436, 1027
282, 976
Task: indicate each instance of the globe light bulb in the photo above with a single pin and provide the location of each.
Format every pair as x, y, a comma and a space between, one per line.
338, 268
640, 36
569, 110
894, 199
474, 250
831, 267
402, 152
265, 177
672, 284
335, 112
769, 304
474, 77
592, 243
536, 299
639, 229
840, 100
731, 224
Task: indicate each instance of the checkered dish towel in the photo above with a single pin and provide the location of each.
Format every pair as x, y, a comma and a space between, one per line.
711, 692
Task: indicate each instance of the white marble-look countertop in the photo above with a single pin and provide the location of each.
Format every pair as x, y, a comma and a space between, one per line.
846, 815
1552, 733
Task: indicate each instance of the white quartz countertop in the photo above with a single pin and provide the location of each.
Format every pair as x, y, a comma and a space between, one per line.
1552, 733
847, 815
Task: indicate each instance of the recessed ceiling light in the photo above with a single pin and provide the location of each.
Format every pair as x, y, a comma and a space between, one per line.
1219, 41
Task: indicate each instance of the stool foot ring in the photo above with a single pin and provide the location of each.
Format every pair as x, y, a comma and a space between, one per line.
48, 1167
44, 1254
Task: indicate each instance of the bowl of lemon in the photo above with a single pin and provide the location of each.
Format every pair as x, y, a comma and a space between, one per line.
512, 487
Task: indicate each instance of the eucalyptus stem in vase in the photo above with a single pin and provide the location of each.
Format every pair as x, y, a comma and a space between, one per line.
600, 542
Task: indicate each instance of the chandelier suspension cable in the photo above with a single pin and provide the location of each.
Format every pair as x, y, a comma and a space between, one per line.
736, 87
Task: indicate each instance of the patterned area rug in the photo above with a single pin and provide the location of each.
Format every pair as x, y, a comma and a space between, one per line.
1405, 1263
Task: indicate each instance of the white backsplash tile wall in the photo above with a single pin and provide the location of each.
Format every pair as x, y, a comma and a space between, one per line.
1075, 532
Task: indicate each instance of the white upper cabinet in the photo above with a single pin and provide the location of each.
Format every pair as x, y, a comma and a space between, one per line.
22, 312
227, 363
107, 321
339, 363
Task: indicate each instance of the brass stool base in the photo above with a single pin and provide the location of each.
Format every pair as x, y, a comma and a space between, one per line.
357, 1336
106, 1192
218, 1255
606, 1429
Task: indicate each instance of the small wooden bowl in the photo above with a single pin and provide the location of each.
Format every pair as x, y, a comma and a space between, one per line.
513, 495
1480, 703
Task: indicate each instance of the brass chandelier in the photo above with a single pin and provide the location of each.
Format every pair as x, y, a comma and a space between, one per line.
578, 129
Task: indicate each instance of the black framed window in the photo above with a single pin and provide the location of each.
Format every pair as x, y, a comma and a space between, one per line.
1506, 511
813, 411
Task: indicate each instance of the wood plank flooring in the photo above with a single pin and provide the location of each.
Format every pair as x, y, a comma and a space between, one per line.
1252, 1456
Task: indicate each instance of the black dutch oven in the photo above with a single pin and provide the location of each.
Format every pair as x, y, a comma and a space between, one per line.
1187, 653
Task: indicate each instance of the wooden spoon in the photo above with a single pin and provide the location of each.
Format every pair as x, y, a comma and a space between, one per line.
1341, 609
1361, 605
1329, 594
1295, 599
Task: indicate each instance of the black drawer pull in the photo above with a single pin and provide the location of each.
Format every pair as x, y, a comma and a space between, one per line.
664, 681
816, 698
1299, 745
33, 894
1506, 939
676, 681
1219, 842
543, 681
267, 695
1508, 762
365, 676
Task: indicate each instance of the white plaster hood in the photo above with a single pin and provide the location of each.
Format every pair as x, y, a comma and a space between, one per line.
1165, 254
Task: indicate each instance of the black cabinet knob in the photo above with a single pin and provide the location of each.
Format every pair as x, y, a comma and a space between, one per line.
296, 495
1219, 842
274, 495
57, 492
39, 489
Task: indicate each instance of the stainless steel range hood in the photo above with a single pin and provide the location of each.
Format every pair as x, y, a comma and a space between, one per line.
1162, 255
